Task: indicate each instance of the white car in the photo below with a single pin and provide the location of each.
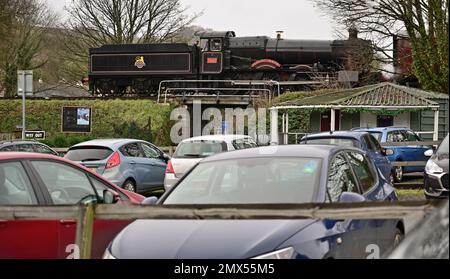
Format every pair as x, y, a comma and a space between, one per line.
191, 151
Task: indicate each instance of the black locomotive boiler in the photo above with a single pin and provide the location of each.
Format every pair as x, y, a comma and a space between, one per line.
139, 68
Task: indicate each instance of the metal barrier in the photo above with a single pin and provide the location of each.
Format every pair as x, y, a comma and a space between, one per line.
86, 214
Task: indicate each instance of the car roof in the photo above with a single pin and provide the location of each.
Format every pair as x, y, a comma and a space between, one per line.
385, 129
226, 138
308, 151
111, 143
29, 155
12, 142
344, 134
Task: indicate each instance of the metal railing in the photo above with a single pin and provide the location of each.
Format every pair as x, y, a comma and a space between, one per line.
85, 215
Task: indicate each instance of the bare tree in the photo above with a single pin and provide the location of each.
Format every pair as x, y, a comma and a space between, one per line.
24, 26
425, 22
95, 23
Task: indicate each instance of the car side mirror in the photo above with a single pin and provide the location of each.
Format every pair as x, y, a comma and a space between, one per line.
165, 157
110, 197
150, 201
429, 153
348, 197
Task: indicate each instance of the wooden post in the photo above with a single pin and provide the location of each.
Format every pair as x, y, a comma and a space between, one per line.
436, 125
274, 126
85, 228
333, 120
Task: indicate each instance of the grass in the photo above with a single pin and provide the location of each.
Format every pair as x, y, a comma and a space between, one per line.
410, 194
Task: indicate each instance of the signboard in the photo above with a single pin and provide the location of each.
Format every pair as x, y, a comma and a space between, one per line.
25, 83
35, 135
76, 120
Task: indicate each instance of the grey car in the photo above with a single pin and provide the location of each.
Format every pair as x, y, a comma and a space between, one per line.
134, 165
26, 146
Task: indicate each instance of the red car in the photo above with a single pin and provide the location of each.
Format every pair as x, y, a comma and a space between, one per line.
36, 179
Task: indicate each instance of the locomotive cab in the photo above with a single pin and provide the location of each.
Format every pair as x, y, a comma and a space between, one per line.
215, 53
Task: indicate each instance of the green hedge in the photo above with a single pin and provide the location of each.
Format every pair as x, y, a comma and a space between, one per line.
110, 119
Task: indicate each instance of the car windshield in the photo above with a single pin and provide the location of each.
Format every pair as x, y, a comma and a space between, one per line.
443, 149
332, 141
250, 181
199, 149
88, 153
377, 135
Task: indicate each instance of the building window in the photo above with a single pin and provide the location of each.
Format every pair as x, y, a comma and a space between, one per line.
385, 121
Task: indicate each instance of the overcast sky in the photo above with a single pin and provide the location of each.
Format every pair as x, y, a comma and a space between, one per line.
297, 18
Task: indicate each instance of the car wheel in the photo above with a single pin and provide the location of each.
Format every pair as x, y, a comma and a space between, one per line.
398, 174
398, 238
129, 186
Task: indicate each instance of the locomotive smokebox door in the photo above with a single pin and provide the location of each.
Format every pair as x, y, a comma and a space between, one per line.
212, 63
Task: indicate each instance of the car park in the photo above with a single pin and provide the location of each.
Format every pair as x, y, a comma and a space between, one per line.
30, 179
436, 172
271, 175
26, 146
414, 153
362, 140
190, 151
135, 165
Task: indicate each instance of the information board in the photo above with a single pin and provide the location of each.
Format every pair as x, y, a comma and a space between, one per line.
76, 120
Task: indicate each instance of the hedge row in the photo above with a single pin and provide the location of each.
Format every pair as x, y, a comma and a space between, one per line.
110, 119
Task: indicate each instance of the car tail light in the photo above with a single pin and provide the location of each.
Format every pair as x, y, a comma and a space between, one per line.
114, 161
169, 168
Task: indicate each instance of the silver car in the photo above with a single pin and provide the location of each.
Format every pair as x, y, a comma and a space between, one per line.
134, 165
191, 151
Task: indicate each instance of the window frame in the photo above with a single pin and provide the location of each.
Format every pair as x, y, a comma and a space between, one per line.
371, 169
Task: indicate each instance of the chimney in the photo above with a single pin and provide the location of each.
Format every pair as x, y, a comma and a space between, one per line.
353, 33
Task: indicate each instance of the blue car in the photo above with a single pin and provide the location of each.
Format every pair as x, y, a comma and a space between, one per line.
270, 175
401, 153
361, 140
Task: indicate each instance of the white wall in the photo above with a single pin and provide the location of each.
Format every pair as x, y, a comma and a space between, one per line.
370, 120
403, 120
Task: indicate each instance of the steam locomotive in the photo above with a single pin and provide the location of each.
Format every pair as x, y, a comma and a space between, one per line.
139, 68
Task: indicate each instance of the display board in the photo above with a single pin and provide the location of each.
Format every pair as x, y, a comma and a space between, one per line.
76, 120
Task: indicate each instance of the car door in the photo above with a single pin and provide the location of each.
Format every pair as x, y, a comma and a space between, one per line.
157, 164
140, 167
24, 239
378, 230
66, 185
417, 152
350, 235
375, 152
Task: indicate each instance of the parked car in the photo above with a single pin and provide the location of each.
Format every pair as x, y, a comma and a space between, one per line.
270, 175
26, 146
361, 140
135, 165
428, 240
413, 153
436, 172
190, 151
36, 179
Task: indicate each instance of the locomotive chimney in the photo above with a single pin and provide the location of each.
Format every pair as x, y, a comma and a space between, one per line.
352, 33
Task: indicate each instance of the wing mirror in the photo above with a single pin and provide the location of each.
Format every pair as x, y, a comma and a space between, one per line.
110, 197
348, 197
429, 153
150, 201
387, 152
165, 157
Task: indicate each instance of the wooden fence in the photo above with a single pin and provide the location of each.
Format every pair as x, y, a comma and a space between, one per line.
86, 214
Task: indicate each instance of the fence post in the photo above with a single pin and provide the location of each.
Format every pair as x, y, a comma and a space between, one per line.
85, 228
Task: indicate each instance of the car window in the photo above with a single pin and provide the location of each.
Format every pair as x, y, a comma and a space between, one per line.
66, 185
8, 148
88, 153
411, 136
377, 135
443, 149
132, 150
333, 141
25, 148
244, 144
39, 148
150, 152
15, 186
100, 187
396, 136
372, 143
200, 148
340, 179
363, 171
216, 45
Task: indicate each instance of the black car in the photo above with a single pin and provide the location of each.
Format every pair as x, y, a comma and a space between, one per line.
436, 172
26, 146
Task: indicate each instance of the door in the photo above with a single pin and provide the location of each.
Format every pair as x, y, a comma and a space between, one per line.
157, 164
325, 121
26, 239
136, 162
375, 151
415, 152
351, 236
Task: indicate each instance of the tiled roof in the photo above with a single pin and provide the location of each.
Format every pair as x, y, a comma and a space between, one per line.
382, 95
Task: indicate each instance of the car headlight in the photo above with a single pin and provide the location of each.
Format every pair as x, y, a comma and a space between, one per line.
284, 254
108, 256
432, 167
